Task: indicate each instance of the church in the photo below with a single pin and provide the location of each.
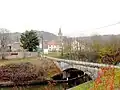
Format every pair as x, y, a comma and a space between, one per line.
56, 45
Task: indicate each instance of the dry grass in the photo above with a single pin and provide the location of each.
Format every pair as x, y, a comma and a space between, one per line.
48, 65
19, 60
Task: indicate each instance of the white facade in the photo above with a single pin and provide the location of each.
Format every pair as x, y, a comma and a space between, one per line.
53, 47
45, 51
78, 46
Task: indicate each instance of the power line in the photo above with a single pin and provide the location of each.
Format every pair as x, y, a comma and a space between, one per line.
108, 25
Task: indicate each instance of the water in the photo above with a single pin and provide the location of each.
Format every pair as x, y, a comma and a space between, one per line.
61, 86
38, 87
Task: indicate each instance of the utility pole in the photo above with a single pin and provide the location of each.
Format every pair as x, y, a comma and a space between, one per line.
42, 43
62, 49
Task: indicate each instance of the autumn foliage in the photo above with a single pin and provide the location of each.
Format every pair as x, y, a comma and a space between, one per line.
111, 58
105, 79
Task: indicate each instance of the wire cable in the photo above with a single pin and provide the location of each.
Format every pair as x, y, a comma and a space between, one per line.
108, 25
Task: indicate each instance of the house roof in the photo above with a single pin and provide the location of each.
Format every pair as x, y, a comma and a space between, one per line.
52, 43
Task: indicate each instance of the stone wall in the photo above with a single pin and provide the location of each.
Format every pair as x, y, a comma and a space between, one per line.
11, 55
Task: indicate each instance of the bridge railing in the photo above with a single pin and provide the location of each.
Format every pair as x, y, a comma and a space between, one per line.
90, 64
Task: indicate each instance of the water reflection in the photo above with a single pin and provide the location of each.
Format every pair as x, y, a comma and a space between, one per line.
43, 87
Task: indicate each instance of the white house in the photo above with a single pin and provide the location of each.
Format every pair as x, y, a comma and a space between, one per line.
45, 47
76, 45
53, 46
45, 51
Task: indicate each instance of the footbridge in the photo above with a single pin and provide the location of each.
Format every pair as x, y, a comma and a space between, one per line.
87, 67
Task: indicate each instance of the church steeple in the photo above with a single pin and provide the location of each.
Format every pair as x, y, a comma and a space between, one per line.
60, 36
60, 32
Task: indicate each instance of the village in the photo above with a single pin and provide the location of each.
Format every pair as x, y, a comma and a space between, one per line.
59, 45
46, 47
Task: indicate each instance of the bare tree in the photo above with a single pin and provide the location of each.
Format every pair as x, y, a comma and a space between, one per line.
4, 40
67, 47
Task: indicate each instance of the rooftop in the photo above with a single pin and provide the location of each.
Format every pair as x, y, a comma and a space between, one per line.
52, 43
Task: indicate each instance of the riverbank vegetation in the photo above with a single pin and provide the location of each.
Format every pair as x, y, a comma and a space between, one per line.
21, 73
27, 70
97, 50
108, 79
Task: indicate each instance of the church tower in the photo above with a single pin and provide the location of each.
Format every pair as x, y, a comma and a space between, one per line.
60, 35
60, 39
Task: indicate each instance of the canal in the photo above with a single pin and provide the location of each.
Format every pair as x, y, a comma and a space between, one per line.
18, 73
38, 87
67, 79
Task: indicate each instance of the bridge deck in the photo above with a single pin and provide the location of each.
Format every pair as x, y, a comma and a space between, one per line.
90, 64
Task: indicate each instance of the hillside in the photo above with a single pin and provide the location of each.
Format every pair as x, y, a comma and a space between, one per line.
46, 35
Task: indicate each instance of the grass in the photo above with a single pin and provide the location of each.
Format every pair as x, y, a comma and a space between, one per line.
17, 60
54, 54
105, 83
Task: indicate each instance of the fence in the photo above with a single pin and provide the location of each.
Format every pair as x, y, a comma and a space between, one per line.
11, 55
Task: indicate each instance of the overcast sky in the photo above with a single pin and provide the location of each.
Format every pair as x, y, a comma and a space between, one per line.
75, 17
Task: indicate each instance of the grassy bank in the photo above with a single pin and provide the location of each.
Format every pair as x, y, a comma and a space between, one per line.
54, 54
48, 65
52, 69
18, 60
106, 81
